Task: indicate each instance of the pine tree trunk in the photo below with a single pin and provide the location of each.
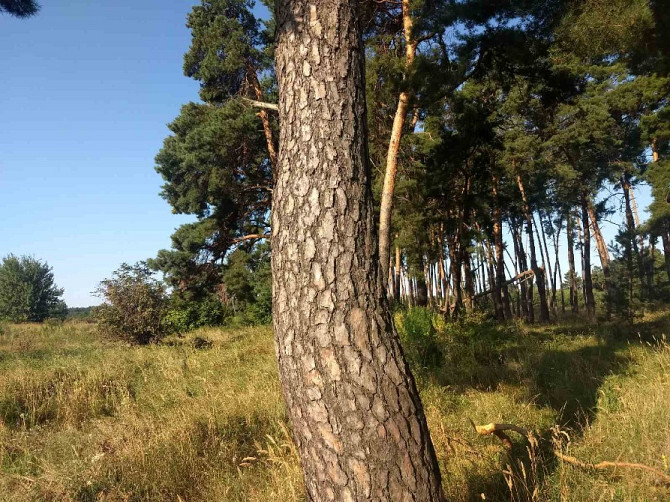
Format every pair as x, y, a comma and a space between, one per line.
539, 272
574, 296
551, 278
500, 292
423, 288
526, 296
665, 237
356, 414
469, 280
604, 255
457, 278
589, 300
386, 205
558, 281
396, 284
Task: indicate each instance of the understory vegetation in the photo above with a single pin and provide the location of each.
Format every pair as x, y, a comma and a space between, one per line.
201, 416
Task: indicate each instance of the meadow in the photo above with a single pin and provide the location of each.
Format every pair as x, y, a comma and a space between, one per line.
200, 417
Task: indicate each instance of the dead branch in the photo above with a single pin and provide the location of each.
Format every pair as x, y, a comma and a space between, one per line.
250, 237
498, 430
606, 464
261, 104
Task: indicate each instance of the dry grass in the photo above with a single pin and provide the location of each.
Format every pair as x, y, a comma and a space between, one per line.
201, 417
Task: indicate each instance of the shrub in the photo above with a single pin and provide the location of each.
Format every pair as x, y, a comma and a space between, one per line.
135, 305
187, 315
419, 337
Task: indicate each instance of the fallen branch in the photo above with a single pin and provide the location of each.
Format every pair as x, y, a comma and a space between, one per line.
521, 277
498, 430
606, 464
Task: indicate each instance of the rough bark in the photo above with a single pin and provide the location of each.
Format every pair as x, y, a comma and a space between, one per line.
355, 411
589, 300
539, 271
386, 205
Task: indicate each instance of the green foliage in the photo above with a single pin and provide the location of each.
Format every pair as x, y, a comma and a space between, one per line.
183, 315
27, 290
419, 337
215, 163
134, 305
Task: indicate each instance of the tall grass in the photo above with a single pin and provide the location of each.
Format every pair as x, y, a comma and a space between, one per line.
201, 417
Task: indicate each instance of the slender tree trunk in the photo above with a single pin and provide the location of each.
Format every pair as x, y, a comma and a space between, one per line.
265, 118
500, 292
396, 292
551, 278
586, 254
665, 237
443, 284
604, 255
355, 411
457, 278
539, 272
469, 280
386, 205
526, 296
423, 285
574, 296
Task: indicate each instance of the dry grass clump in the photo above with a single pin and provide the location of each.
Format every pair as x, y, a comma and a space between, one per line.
201, 417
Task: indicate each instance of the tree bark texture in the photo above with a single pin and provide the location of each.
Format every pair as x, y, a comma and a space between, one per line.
356, 415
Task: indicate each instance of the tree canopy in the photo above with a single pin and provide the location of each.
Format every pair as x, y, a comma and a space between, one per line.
28, 292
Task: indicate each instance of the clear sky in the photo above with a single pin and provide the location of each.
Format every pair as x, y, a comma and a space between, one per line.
86, 91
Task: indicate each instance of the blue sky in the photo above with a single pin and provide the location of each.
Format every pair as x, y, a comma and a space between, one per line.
87, 89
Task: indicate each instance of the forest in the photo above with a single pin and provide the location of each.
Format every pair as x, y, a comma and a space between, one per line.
502, 137
428, 259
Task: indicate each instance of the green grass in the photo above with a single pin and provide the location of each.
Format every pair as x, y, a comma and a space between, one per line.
85, 418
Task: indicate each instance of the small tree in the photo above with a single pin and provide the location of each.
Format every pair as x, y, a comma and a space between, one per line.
135, 304
27, 290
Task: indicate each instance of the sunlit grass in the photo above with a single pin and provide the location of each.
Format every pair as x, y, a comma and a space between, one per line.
201, 417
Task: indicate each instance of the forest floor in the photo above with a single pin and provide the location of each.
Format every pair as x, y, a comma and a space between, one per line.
201, 417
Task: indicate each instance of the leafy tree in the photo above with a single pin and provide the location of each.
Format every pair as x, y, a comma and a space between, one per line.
218, 162
19, 8
28, 292
135, 304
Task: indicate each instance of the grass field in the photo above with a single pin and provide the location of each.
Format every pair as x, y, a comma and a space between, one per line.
200, 417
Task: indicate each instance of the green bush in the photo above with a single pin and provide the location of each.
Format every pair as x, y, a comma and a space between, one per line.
135, 305
419, 337
187, 315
